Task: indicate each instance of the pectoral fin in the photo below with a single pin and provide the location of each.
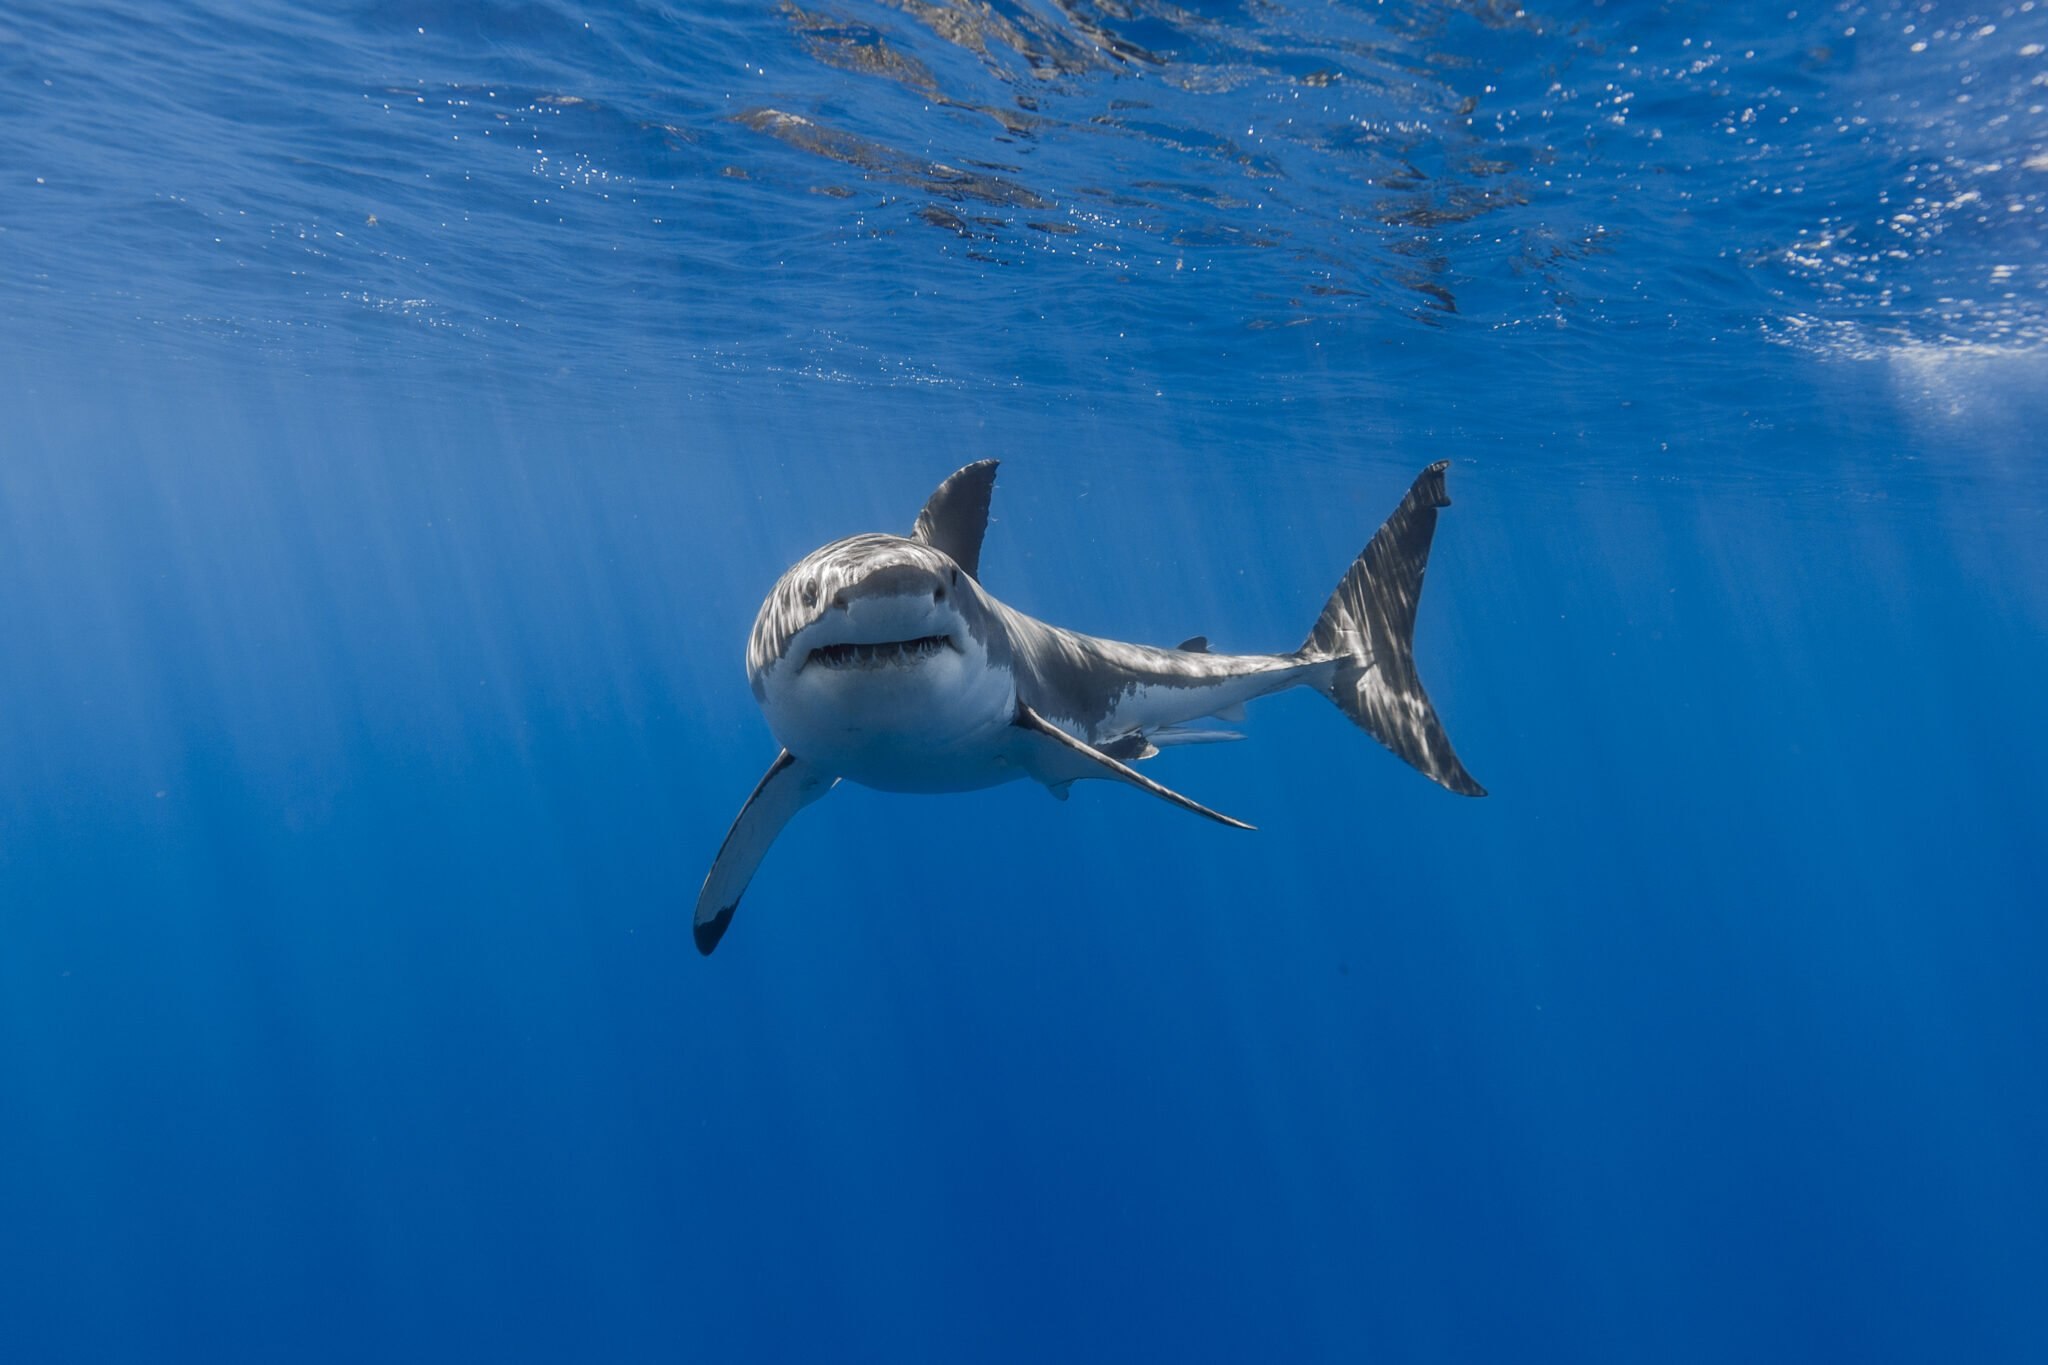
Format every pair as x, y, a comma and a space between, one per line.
1029, 720
789, 785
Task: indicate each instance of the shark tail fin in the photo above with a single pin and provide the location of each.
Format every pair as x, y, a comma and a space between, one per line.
1367, 630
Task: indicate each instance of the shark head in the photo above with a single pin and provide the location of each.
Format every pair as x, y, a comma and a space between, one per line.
882, 645
868, 602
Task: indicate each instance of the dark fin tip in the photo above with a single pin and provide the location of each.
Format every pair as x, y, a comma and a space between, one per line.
1430, 483
710, 931
1194, 644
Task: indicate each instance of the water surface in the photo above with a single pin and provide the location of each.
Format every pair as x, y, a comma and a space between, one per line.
404, 407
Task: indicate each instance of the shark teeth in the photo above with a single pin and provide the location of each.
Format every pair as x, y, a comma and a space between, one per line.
885, 654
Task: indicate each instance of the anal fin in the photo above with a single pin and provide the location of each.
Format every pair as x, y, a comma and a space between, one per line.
1029, 720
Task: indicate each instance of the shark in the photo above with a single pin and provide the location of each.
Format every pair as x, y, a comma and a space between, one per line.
882, 660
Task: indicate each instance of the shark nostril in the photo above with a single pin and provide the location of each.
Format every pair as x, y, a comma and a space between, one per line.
938, 594
839, 600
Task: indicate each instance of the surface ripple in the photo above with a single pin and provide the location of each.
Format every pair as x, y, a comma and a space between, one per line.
1081, 191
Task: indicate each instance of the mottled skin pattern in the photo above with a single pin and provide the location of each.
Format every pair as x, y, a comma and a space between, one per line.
881, 659
1100, 688
1104, 689
845, 571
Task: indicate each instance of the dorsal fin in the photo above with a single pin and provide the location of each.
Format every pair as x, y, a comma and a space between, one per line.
956, 515
1194, 644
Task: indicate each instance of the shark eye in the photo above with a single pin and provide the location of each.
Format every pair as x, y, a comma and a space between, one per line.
810, 592
956, 578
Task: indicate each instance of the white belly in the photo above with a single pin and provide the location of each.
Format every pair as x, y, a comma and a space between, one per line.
936, 724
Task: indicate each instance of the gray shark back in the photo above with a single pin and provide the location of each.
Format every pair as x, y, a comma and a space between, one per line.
1104, 689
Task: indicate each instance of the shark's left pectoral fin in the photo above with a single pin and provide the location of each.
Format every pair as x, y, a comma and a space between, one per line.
789, 785
1046, 732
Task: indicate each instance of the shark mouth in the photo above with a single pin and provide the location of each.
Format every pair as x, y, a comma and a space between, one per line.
885, 654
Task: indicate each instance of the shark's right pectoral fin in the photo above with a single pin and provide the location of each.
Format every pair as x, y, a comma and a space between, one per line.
789, 785
1071, 748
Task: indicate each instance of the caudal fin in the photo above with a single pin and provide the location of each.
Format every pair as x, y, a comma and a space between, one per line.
1368, 629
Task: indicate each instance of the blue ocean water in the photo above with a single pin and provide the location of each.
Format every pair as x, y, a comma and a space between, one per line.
404, 407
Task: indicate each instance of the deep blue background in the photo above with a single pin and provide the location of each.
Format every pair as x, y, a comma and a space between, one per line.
372, 599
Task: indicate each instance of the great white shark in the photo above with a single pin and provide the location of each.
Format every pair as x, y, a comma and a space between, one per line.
880, 659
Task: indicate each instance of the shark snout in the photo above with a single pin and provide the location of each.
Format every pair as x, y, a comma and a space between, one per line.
905, 581
898, 615
872, 620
